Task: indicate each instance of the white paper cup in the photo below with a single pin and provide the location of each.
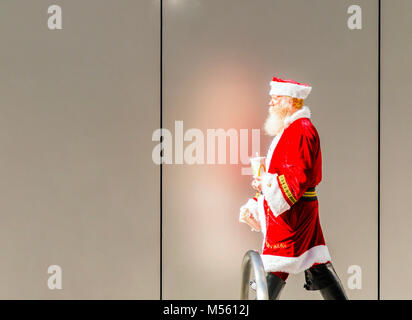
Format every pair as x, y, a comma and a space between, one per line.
258, 165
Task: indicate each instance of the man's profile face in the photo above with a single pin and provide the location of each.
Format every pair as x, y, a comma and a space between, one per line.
274, 101
275, 98
279, 104
278, 109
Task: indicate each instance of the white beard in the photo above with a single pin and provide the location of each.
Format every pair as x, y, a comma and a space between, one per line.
274, 124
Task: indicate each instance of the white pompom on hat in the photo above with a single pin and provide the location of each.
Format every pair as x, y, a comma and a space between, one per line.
281, 87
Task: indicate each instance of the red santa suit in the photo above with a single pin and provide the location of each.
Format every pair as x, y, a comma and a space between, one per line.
287, 209
293, 239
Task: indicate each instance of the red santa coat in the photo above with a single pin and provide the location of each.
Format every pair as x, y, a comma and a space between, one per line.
288, 207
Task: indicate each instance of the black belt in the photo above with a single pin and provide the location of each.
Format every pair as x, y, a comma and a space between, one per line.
309, 195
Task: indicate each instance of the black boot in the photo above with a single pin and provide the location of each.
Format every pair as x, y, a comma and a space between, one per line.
323, 277
275, 286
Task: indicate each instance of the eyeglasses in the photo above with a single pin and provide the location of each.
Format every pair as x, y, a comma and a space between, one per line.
274, 100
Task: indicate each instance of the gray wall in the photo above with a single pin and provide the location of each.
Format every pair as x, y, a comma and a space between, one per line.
78, 108
79, 105
218, 59
396, 256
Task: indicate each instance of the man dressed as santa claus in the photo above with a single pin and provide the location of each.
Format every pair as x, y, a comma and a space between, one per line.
285, 209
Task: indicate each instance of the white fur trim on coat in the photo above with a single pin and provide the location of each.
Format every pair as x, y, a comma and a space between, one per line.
318, 254
262, 217
289, 89
272, 148
301, 113
273, 194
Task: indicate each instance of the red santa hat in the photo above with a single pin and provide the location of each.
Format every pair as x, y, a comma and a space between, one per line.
281, 87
